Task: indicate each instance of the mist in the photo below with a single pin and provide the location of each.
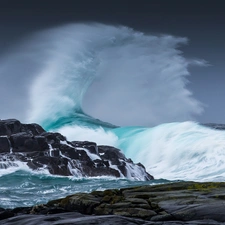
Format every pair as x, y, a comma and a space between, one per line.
112, 73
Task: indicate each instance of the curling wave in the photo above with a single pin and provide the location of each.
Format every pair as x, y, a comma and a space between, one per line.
90, 73
114, 74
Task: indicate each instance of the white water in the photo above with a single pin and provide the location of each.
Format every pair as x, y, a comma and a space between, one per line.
183, 151
115, 74
123, 77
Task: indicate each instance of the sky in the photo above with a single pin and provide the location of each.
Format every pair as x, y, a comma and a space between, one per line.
202, 22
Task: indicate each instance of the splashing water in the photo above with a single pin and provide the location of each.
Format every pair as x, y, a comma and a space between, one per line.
84, 74
112, 73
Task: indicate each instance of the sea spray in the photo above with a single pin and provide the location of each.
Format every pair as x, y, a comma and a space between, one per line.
180, 151
85, 80
113, 73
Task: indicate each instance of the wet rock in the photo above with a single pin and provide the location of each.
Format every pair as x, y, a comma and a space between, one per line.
216, 126
91, 146
33, 129
13, 126
25, 142
4, 145
42, 150
10, 126
6, 214
186, 203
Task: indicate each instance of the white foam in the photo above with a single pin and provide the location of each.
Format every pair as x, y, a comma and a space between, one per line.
115, 167
90, 155
13, 166
98, 135
50, 149
183, 151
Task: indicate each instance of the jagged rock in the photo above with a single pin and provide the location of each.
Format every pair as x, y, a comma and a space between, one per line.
8, 127
39, 149
33, 129
4, 144
25, 142
91, 146
13, 126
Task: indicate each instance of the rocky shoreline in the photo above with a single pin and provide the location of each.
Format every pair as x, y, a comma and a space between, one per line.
52, 152
174, 203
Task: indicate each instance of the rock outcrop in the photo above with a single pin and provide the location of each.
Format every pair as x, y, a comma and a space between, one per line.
216, 126
175, 203
41, 150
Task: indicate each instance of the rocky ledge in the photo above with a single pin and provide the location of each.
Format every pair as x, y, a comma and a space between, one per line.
175, 203
41, 150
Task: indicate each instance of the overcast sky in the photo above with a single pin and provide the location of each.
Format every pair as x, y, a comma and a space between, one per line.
202, 22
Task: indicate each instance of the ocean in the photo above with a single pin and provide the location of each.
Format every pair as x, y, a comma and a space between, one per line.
118, 87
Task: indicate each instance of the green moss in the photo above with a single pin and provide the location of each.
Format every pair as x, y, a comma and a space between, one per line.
116, 199
111, 192
65, 201
205, 186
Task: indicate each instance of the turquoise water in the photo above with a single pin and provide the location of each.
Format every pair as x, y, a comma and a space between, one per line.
23, 188
170, 152
173, 151
92, 76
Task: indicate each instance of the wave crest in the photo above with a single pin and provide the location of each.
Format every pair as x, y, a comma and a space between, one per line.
112, 73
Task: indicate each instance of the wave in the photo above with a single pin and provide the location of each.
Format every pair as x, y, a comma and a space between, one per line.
86, 74
24, 188
173, 151
115, 74
176, 151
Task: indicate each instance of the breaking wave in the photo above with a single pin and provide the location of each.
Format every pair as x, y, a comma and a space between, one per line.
120, 87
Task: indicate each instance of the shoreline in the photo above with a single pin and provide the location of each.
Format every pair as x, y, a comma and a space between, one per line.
173, 203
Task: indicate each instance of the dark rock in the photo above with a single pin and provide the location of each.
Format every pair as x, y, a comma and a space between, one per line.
22, 210
53, 139
33, 129
187, 203
215, 126
13, 126
30, 143
54, 165
24, 142
91, 146
177, 203
6, 214
4, 145
10, 126
71, 218
111, 153
42, 142
116, 157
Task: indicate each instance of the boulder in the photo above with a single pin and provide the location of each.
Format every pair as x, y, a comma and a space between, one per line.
10, 126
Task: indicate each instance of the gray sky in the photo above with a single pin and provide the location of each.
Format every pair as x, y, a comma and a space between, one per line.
202, 22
